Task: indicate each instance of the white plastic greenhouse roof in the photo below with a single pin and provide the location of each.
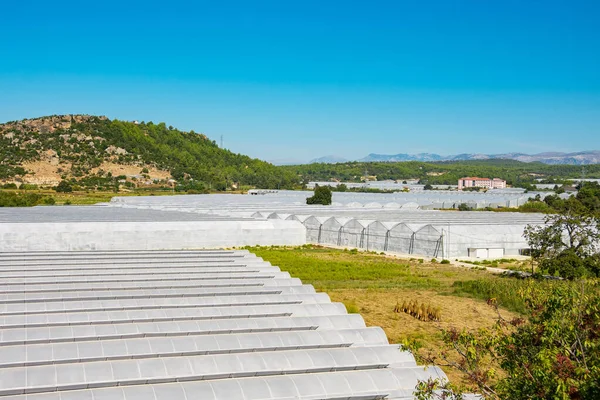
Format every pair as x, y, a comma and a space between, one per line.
98, 214
340, 224
184, 325
394, 207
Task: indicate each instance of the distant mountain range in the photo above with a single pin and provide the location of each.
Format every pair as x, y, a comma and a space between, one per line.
328, 160
578, 158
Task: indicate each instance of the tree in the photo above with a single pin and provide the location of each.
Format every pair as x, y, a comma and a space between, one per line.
464, 207
64, 187
428, 187
322, 195
567, 244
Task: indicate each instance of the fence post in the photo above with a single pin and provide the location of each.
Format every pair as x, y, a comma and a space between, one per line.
362, 239
387, 240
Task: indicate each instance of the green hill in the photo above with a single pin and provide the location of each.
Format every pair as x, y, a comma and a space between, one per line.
89, 150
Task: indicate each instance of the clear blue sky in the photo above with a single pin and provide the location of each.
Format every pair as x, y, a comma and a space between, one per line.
301, 79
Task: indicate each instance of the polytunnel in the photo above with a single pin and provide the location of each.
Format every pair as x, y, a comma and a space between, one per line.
400, 239
314, 228
354, 204
352, 234
299, 218
377, 236
277, 215
410, 206
331, 230
373, 204
428, 242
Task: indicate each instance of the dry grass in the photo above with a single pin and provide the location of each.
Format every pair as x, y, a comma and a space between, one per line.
377, 308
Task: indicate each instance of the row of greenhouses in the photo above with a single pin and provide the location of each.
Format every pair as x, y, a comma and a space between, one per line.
432, 240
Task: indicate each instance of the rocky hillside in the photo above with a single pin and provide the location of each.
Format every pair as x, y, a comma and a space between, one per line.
88, 149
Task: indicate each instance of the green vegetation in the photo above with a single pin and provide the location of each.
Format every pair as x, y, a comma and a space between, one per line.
86, 142
445, 173
554, 351
568, 244
342, 269
64, 187
322, 195
15, 199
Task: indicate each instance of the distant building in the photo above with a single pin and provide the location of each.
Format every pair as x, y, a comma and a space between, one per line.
486, 183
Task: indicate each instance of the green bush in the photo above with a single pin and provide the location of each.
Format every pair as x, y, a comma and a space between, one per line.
322, 195
12, 199
444, 261
49, 201
64, 187
464, 207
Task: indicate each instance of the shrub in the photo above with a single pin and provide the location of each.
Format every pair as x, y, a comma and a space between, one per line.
552, 354
464, 207
322, 195
64, 187
444, 261
49, 201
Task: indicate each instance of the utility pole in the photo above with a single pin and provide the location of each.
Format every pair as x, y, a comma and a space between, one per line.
582, 177
221, 141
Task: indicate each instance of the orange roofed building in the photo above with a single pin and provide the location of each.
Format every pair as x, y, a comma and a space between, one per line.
473, 181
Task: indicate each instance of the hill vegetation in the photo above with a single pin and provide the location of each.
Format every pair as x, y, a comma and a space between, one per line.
515, 173
90, 151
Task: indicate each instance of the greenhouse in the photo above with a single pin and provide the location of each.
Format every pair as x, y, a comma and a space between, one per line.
404, 223
185, 325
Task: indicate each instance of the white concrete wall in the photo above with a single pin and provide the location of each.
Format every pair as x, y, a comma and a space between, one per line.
148, 235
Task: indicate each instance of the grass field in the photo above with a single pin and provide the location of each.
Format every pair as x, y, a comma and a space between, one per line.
94, 197
89, 197
372, 284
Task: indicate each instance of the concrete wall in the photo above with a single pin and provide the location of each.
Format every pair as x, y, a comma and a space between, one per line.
148, 235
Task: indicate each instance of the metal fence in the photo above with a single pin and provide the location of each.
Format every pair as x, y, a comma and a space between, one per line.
428, 243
